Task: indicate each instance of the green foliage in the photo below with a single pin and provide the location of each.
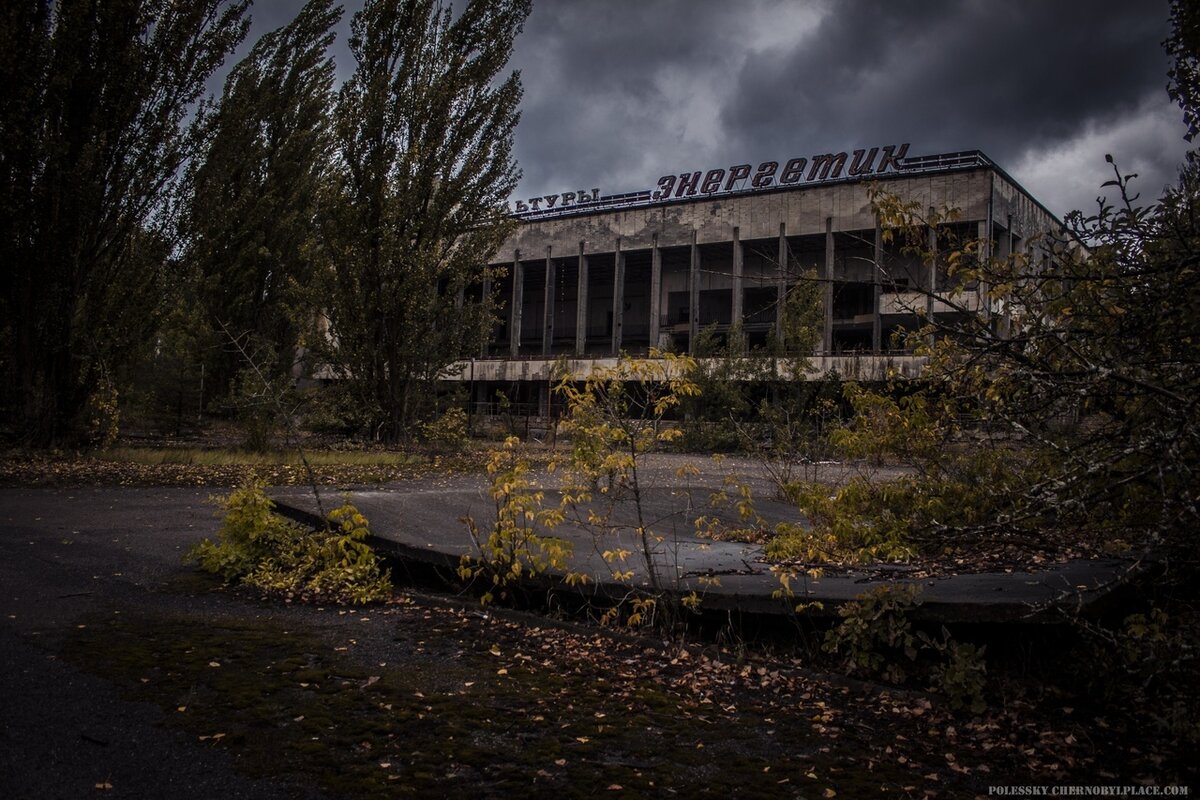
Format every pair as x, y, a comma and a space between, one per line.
517, 546
333, 409
749, 400
104, 414
94, 141
254, 192
418, 201
952, 486
1149, 666
448, 432
1087, 361
260, 396
1183, 48
962, 674
261, 549
876, 639
613, 419
166, 386
803, 317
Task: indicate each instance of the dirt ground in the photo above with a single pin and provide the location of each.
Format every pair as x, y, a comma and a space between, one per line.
126, 673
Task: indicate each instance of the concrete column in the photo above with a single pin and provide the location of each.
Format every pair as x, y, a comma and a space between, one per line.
618, 297
489, 326
581, 302
694, 295
876, 277
655, 291
518, 288
933, 256
736, 306
548, 307
985, 254
781, 283
827, 293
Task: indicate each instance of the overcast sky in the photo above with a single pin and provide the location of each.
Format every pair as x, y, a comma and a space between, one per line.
620, 92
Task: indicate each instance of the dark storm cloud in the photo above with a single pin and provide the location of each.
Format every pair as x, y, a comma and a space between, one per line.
1045, 88
1000, 77
598, 85
619, 92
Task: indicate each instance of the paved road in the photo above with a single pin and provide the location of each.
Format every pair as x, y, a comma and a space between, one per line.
66, 555
423, 519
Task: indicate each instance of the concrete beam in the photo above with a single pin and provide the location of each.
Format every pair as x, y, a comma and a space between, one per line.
694, 295
876, 277
933, 256
655, 290
781, 283
853, 367
488, 324
827, 294
581, 304
518, 288
984, 236
618, 298
548, 307
736, 313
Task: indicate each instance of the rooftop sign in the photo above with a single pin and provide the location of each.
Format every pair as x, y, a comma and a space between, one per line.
744, 177
819, 168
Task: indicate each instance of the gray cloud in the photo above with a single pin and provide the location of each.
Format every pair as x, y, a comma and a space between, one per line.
618, 92
1025, 82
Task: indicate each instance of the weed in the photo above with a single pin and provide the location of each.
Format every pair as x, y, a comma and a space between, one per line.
261, 549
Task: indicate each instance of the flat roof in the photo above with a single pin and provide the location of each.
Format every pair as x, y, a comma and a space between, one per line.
939, 163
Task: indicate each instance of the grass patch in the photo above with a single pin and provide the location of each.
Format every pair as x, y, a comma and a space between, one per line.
221, 457
177, 466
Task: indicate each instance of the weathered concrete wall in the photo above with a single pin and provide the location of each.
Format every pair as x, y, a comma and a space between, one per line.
1029, 218
803, 210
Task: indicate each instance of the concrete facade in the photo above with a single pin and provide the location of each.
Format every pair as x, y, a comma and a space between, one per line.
591, 283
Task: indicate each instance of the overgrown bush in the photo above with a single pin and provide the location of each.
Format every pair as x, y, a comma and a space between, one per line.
334, 409
259, 548
446, 433
518, 545
1149, 668
876, 639
875, 632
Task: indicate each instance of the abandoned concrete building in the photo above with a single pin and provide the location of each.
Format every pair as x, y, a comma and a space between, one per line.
588, 277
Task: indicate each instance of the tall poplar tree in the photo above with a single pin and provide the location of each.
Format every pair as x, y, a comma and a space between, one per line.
424, 132
254, 192
92, 140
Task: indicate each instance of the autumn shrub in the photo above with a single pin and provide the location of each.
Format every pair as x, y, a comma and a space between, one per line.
876, 639
517, 546
951, 488
259, 548
334, 409
446, 433
103, 415
875, 632
1148, 667
962, 674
